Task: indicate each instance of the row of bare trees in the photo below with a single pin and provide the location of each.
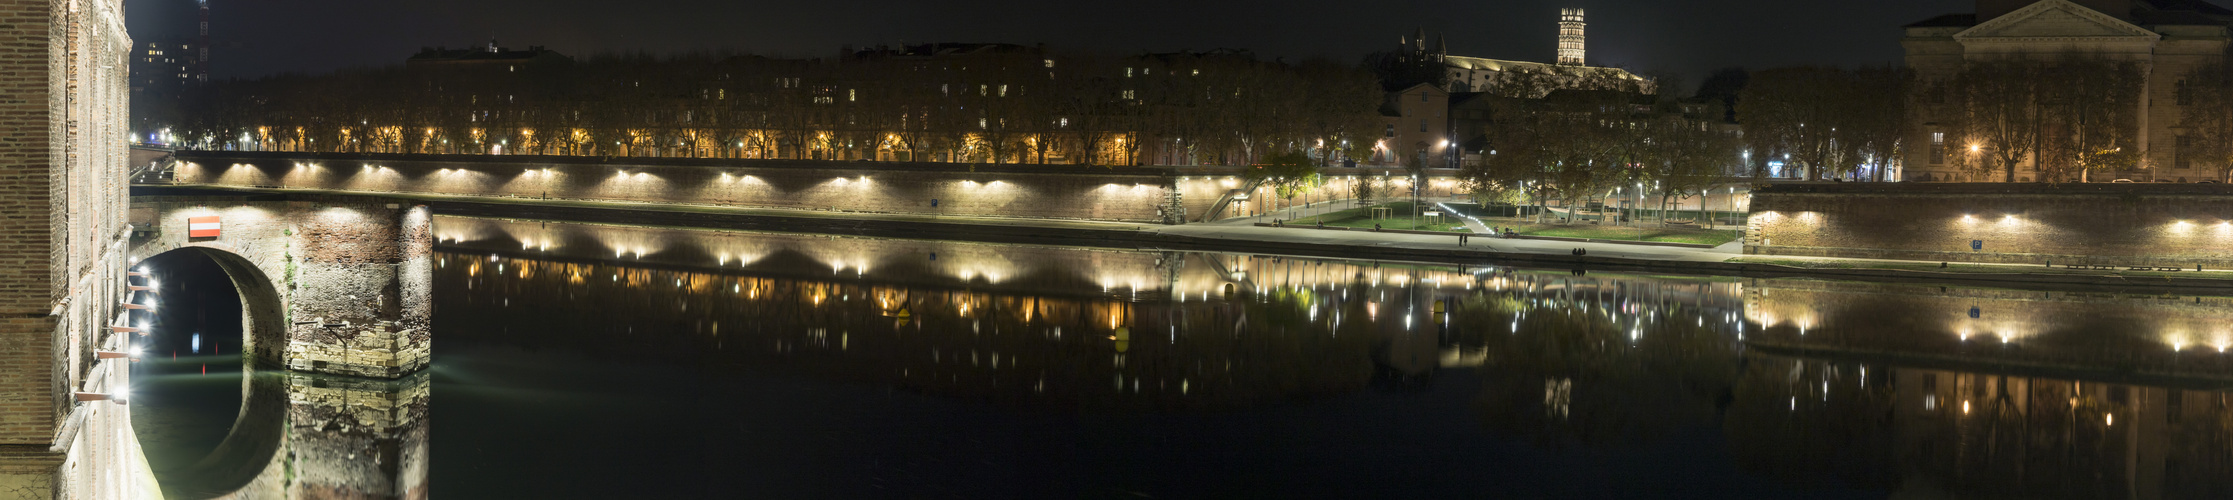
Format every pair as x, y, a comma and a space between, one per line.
1575, 146
2067, 115
1832, 122
1003, 104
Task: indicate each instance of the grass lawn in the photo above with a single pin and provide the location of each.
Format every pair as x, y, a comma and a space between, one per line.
1361, 218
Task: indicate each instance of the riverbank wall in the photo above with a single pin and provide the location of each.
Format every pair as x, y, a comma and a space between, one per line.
1145, 194
2119, 225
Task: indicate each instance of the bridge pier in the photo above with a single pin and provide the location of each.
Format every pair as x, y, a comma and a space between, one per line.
329, 284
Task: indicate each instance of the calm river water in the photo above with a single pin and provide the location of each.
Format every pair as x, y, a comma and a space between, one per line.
590, 361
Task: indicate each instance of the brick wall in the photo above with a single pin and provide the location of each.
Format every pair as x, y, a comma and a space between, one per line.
2110, 224
331, 284
1128, 194
62, 111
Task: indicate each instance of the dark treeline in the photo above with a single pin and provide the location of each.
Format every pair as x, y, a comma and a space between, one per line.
952, 103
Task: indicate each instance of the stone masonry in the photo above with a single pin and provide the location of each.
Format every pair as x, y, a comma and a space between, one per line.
2157, 225
330, 284
1155, 194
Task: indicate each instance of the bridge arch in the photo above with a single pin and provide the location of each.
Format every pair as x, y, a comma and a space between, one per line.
329, 284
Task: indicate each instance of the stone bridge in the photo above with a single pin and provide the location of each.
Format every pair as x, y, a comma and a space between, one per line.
328, 284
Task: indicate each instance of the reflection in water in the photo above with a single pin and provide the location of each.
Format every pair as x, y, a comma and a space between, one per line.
605, 361
1824, 386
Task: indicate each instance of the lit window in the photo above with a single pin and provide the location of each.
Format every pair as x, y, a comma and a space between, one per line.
1050, 63
1938, 148
1127, 71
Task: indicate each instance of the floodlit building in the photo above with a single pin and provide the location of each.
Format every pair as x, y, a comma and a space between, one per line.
2167, 38
1571, 69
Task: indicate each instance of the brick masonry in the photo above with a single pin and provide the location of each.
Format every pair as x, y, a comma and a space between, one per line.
62, 197
1132, 194
2179, 225
330, 284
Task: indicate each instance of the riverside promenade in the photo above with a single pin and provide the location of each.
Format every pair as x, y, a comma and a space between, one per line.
1242, 234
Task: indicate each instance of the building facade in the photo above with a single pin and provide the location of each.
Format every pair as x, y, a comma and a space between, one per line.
162, 71
1528, 79
2164, 39
1418, 121
62, 169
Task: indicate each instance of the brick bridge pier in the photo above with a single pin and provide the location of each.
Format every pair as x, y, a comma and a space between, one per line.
328, 284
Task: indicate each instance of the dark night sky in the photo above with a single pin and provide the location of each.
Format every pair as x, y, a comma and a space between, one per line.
1685, 37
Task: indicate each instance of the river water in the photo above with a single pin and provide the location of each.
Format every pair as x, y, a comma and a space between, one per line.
592, 361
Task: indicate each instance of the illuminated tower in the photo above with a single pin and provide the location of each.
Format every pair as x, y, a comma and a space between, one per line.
1570, 37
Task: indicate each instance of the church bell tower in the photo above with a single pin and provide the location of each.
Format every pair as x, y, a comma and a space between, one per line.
1570, 51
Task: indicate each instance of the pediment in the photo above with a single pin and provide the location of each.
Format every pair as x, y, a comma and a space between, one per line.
2055, 19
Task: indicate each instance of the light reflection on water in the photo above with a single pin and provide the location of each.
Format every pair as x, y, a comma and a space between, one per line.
805, 365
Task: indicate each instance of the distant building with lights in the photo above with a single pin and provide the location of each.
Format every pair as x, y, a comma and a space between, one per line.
1478, 74
2168, 38
1422, 121
162, 71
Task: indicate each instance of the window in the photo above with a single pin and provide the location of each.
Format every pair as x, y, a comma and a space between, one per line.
1422, 97
2184, 95
852, 95
1127, 93
1050, 63
1127, 71
1938, 148
1422, 124
1391, 131
2183, 153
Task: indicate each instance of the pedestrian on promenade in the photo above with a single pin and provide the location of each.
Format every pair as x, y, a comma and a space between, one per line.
1461, 239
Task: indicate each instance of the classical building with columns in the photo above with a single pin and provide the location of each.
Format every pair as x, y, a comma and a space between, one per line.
2166, 38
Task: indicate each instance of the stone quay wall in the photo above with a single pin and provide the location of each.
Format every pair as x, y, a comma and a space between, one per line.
2120, 224
1040, 191
1152, 194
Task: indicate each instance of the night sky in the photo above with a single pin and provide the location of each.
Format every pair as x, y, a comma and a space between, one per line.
1685, 38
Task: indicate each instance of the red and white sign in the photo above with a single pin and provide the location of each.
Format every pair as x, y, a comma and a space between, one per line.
202, 227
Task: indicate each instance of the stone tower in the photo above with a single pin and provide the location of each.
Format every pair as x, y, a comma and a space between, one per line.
1570, 51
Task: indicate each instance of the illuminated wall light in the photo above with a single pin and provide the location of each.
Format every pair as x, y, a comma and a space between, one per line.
117, 397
